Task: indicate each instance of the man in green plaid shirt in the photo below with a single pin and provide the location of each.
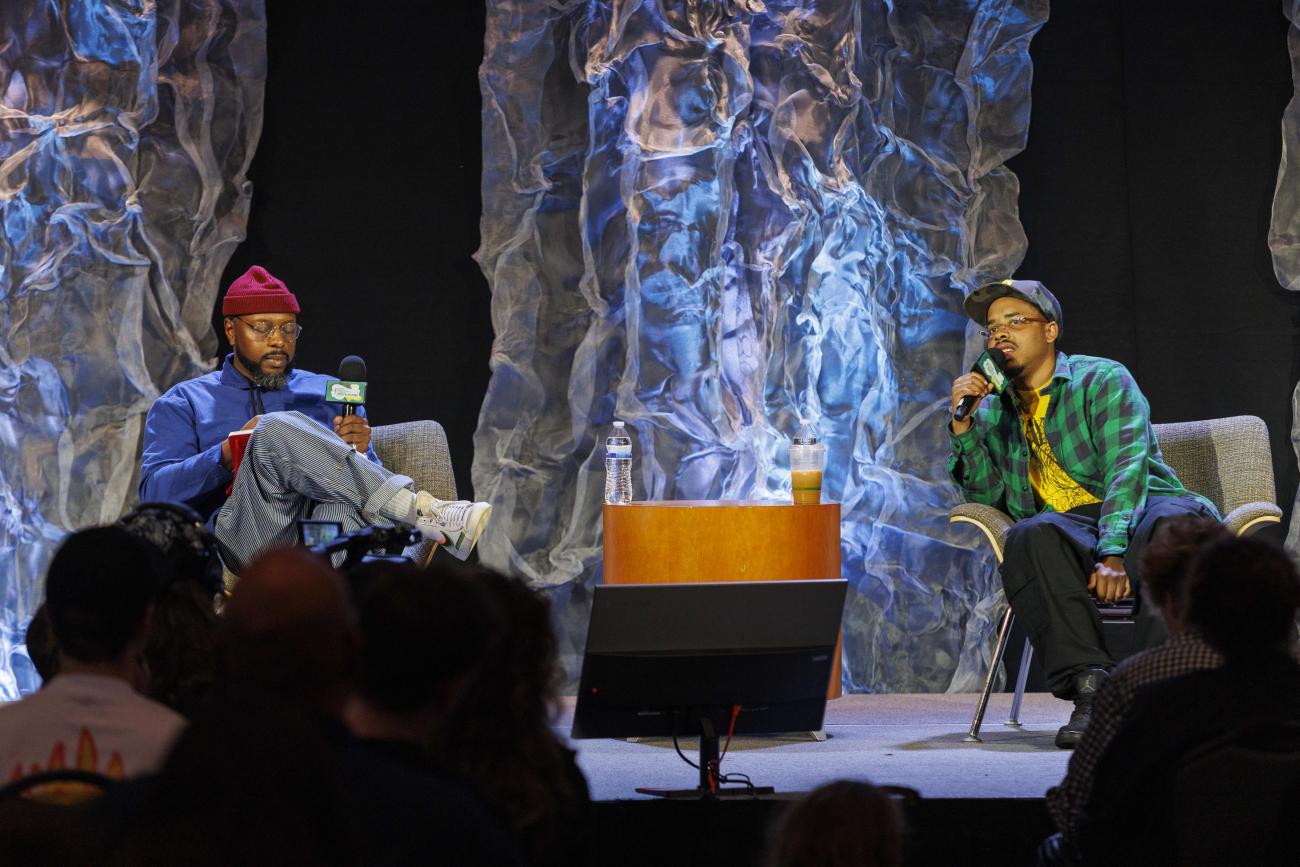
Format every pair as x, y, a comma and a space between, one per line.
1068, 451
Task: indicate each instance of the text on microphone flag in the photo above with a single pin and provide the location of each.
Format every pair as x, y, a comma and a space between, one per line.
340, 391
992, 372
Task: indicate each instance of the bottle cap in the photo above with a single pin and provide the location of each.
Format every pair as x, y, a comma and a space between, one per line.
618, 424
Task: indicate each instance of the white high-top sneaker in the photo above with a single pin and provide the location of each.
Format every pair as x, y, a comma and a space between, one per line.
458, 523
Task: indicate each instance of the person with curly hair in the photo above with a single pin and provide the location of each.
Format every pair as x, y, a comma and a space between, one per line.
180, 654
500, 738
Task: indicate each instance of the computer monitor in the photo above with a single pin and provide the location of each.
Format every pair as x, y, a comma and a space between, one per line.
677, 659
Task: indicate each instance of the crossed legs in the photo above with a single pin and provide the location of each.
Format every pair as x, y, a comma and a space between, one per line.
294, 468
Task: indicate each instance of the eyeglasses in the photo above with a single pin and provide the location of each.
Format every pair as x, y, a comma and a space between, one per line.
289, 330
1015, 323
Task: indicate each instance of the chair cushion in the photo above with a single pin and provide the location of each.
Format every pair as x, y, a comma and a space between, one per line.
417, 449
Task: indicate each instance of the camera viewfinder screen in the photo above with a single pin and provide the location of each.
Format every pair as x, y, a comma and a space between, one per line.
313, 533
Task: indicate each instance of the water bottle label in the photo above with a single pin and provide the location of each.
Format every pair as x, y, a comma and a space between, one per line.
618, 450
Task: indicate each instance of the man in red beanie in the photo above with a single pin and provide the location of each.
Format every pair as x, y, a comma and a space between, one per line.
303, 460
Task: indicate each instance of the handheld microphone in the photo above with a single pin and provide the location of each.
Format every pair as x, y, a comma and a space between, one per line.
989, 365
350, 388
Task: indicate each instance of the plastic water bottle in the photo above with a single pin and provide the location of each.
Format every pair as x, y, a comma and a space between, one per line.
618, 466
807, 459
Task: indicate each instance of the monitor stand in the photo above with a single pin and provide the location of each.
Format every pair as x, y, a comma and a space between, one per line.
708, 759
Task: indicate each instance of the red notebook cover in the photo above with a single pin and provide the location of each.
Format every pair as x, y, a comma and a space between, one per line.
238, 440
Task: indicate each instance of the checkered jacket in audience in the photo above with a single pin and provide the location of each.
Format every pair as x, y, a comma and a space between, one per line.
1182, 654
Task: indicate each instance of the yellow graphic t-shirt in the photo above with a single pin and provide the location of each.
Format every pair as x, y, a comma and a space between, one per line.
1051, 483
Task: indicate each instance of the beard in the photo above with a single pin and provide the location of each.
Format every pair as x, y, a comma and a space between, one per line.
260, 378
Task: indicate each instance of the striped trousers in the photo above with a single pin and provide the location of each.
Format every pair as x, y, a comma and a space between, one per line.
295, 468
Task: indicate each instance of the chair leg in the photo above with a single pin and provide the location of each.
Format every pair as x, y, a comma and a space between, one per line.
1026, 657
1004, 631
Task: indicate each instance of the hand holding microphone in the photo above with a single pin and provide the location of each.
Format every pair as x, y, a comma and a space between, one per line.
353, 430
985, 377
350, 391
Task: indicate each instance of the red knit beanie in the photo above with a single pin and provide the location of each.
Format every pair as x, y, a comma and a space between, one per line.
258, 292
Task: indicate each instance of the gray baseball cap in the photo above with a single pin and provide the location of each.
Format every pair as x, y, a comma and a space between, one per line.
977, 303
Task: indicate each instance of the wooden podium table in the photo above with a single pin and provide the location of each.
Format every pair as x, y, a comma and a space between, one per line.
693, 541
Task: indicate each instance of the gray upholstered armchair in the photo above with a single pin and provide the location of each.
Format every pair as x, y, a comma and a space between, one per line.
1226, 460
417, 449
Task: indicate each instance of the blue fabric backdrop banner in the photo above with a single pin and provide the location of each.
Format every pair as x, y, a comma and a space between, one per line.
711, 218
126, 130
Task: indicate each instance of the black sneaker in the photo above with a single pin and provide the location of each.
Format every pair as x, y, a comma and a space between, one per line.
1086, 685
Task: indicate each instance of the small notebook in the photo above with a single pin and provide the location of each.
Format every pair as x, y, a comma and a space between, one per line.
238, 440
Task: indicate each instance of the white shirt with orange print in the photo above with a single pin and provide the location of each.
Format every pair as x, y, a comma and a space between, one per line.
85, 722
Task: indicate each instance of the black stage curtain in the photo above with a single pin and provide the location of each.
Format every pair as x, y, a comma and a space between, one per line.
1154, 143
1145, 193
366, 202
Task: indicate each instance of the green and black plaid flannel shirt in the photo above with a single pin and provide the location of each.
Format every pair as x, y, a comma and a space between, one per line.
1098, 425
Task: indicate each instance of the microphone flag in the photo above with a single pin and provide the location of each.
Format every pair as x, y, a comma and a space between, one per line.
350, 388
988, 365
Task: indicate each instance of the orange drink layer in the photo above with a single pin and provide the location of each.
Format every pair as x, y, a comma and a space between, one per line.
807, 487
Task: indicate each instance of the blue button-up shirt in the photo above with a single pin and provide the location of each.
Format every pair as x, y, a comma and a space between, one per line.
185, 427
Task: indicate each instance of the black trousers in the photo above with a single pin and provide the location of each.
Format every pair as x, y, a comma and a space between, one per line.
1045, 567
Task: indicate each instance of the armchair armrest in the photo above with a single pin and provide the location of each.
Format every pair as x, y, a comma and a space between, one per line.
1249, 517
992, 520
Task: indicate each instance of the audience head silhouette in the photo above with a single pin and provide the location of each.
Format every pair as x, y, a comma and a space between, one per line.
422, 634
98, 592
272, 756
288, 632
1243, 594
517, 684
1167, 561
180, 647
187, 545
846, 823
500, 735
90, 719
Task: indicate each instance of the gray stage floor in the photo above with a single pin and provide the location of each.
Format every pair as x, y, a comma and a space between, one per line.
907, 740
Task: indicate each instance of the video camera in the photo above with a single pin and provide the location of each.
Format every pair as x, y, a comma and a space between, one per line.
326, 538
